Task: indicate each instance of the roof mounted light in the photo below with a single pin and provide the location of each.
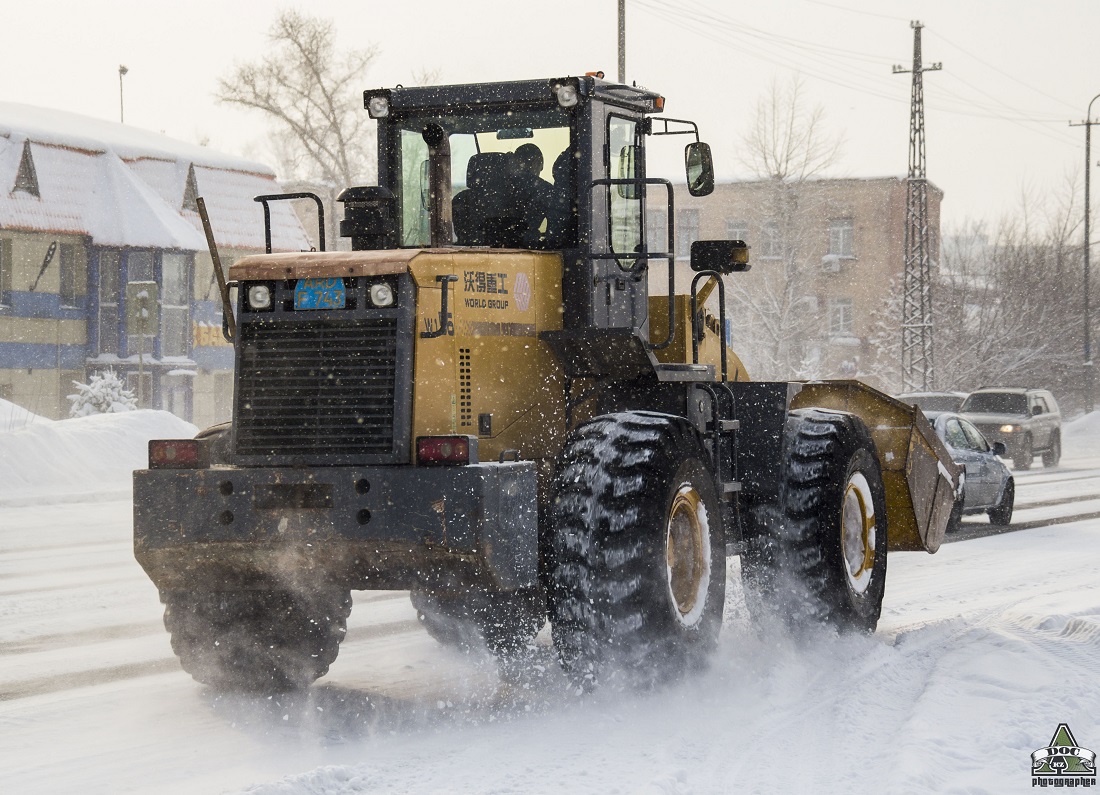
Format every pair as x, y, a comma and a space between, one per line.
567, 94
378, 106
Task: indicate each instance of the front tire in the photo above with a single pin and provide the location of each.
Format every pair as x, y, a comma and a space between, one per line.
1001, 515
256, 641
1054, 453
819, 555
638, 579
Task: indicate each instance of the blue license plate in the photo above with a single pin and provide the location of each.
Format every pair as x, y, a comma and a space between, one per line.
319, 294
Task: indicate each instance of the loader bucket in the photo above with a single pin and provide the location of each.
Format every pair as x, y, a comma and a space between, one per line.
920, 478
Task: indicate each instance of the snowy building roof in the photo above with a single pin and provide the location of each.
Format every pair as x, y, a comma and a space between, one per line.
124, 186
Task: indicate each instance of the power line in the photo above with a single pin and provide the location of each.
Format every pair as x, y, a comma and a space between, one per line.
827, 63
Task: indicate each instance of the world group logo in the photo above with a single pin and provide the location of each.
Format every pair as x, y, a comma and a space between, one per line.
1063, 763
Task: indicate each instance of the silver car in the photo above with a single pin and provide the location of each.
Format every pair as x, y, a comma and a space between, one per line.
986, 485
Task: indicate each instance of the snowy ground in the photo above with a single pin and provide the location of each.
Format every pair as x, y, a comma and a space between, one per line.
983, 649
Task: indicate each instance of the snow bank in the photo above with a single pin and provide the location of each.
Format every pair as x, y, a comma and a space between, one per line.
13, 417
82, 458
1081, 437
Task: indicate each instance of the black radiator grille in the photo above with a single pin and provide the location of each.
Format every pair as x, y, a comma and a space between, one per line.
316, 390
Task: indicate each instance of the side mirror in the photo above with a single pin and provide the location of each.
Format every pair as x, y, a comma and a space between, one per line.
370, 218
1036, 411
628, 169
700, 169
724, 256
999, 449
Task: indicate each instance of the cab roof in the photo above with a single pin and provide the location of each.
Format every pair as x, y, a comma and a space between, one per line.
516, 92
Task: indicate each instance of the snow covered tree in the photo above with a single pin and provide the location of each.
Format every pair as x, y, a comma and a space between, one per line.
104, 393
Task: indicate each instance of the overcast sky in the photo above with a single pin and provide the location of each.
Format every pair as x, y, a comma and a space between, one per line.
1015, 72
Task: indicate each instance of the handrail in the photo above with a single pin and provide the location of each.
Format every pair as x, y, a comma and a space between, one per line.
283, 196
695, 318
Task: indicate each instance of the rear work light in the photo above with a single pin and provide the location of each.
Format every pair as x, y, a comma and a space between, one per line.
455, 450
178, 454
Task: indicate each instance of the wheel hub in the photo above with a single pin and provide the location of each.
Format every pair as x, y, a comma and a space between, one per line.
688, 554
857, 528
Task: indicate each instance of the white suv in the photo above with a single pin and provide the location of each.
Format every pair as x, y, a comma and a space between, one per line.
1027, 421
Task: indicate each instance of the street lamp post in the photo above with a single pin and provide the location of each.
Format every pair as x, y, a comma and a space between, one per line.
1088, 246
122, 70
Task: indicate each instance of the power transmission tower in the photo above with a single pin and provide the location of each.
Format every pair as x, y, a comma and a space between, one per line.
917, 371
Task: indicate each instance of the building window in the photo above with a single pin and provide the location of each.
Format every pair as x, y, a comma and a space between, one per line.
67, 270
656, 231
737, 230
107, 318
687, 232
5, 272
841, 233
771, 246
174, 305
840, 317
139, 268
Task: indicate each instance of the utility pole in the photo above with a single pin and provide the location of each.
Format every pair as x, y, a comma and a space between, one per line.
1089, 375
917, 371
622, 41
122, 70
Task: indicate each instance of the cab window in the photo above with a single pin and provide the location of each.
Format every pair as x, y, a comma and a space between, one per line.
624, 202
511, 178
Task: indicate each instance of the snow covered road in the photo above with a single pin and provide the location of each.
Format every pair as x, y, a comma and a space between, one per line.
983, 649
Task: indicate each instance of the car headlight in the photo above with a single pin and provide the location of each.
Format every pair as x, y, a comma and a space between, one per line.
381, 294
259, 296
1009, 428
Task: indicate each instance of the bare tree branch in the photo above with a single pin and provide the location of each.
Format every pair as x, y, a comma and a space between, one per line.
310, 91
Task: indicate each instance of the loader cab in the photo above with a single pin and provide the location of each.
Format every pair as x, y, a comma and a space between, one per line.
452, 173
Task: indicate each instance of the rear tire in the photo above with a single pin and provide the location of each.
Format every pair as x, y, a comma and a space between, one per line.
504, 623
819, 556
638, 578
256, 641
1024, 454
1001, 515
1054, 453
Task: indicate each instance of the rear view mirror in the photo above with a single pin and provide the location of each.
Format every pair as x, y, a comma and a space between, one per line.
700, 169
999, 449
723, 256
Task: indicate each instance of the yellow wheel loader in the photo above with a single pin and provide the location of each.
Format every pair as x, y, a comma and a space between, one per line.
484, 403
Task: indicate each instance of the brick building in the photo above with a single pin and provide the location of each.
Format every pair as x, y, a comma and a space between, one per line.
88, 208
827, 263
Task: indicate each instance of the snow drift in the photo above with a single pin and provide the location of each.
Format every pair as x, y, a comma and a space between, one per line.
50, 461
